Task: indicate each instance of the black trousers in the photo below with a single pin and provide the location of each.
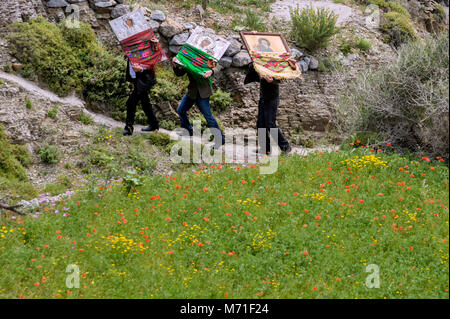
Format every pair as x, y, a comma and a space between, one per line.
140, 94
267, 117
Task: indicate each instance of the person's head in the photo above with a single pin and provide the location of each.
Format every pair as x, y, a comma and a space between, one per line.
205, 42
264, 42
129, 22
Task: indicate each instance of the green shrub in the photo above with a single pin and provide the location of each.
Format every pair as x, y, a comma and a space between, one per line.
2, 83
253, 21
439, 12
329, 64
313, 28
28, 104
13, 159
50, 154
220, 100
349, 45
364, 45
52, 113
169, 87
382, 4
159, 139
397, 7
398, 27
405, 102
70, 59
168, 125
85, 119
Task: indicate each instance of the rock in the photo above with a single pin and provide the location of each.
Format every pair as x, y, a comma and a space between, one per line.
56, 14
104, 16
76, 1
104, 6
174, 48
17, 67
189, 25
57, 4
313, 64
303, 66
348, 60
20, 11
158, 15
234, 48
226, 61
119, 11
87, 15
179, 39
169, 28
307, 60
154, 25
296, 54
241, 59
198, 10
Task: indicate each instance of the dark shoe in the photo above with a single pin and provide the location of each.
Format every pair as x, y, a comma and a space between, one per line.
128, 130
149, 129
286, 150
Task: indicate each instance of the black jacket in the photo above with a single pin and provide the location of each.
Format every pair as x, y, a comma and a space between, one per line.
194, 88
144, 80
268, 90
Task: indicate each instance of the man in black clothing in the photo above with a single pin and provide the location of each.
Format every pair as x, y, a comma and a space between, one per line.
143, 80
269, 99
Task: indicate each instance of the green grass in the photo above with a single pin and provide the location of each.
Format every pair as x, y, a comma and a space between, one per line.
86, 119
28, 104
307, 231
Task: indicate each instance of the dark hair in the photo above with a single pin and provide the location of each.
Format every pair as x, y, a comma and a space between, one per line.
264, 39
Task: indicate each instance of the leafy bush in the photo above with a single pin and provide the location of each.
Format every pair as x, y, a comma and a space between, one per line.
169, 87
398, 28
220, 100
168, 125
50, 154
86, 119
28, 104
364, 45
313, 28
253, 21
13, 159
53, 112
132, 180
347, 46
405, 102
397, 7
70, 59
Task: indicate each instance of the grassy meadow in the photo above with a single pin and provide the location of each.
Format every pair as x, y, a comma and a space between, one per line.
225, 231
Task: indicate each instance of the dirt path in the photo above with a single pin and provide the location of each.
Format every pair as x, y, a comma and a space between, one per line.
281, 9
239, 150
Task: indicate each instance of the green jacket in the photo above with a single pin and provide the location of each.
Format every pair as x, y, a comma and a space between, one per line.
195, 89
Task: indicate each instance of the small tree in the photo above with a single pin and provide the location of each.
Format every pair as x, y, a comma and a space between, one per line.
313, 28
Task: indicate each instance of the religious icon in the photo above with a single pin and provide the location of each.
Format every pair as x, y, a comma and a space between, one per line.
271, 55
208, 42
265, 42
